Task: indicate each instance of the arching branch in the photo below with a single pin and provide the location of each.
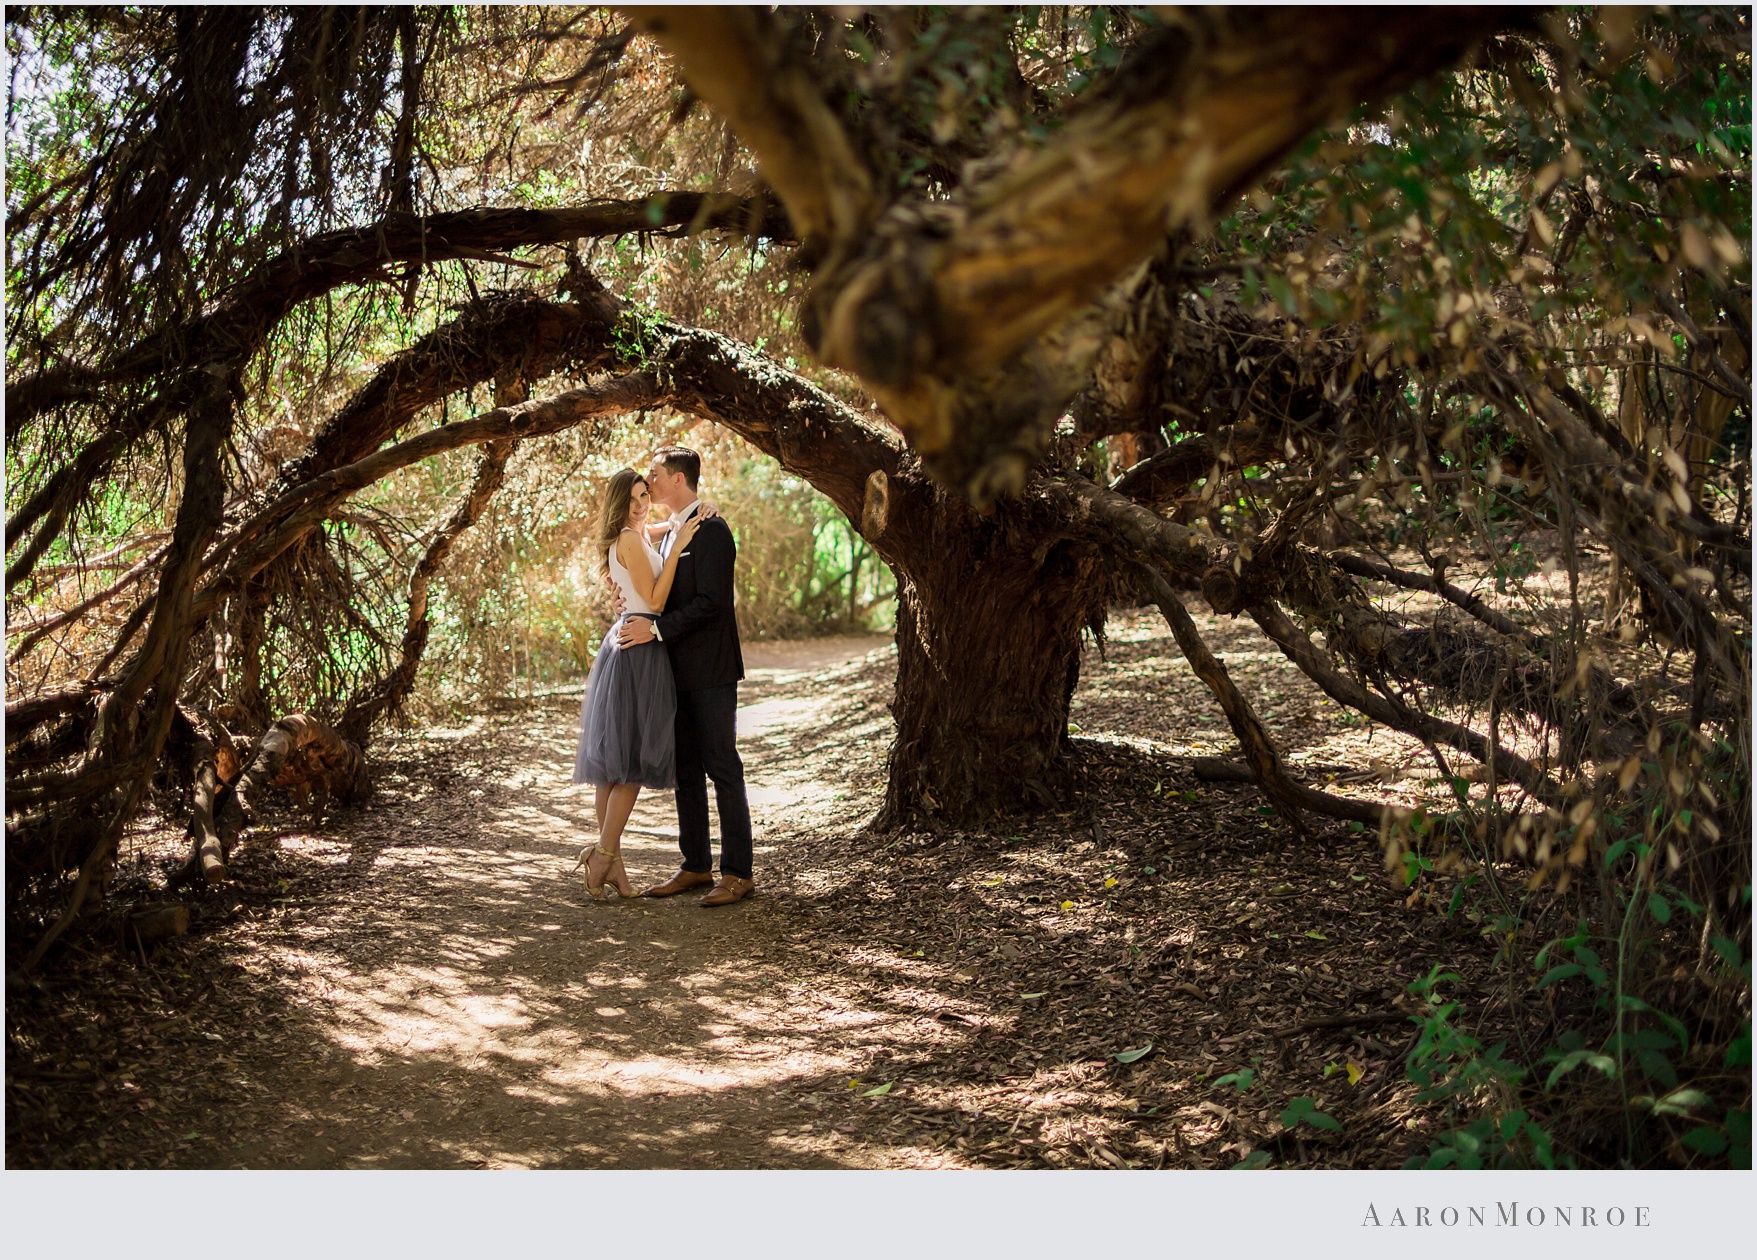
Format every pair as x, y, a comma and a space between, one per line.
524, 335
294, 513
241, 317
1159, 479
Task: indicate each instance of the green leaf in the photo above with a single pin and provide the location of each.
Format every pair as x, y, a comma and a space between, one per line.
1456, 902
1738, 1132
1510, 1125
1130, 1056
1705, 1141
1729, 951
1304, 1110
1679, 1102
1574, 1058
1565, 971
1240, 1080
1672, 1025
1738, 1051
880, 1091
1317, 936
1660, 908
1256, 1159
1657, 1067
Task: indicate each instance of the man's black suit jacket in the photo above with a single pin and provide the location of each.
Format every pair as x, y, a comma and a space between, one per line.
697, 625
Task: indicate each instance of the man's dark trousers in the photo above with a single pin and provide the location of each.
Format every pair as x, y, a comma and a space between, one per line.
701, 631
707, 725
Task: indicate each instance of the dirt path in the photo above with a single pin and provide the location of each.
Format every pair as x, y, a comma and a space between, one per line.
474, 1008
422, 983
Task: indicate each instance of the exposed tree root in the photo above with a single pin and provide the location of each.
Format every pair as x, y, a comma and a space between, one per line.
1288, 797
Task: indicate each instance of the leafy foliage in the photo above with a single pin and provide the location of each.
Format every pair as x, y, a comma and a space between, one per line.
1499, 327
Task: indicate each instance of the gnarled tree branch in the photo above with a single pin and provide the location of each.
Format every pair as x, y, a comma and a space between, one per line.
938, 305
241, 317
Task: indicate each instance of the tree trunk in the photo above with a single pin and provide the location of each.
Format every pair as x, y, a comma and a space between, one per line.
248, 645
989, 608
989, 613
207, 853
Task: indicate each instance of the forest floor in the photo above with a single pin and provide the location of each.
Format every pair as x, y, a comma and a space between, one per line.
421, 981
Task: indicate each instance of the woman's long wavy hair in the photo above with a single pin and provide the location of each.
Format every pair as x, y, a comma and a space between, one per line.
613, 514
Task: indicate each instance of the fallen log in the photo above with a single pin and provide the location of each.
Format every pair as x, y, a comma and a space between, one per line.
302, 754
157, 921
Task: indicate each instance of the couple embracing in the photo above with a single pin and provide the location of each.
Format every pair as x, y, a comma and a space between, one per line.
661, 701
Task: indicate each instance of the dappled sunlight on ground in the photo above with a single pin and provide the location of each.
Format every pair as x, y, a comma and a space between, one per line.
426, 984
478, 1009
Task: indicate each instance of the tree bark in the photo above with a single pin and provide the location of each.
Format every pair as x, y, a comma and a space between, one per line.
302, 754
129, 736
207, 853
960, 317
989, 615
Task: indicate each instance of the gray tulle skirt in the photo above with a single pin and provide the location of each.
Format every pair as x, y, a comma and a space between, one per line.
627, 717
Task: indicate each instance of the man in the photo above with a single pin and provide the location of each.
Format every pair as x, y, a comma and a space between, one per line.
698, 629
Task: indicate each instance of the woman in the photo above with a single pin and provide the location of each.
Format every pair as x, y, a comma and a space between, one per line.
626, 717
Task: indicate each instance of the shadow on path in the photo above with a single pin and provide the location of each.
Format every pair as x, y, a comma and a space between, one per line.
466, 1004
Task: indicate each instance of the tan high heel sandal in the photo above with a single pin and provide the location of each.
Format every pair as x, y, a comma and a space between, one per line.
620, 872
596, 891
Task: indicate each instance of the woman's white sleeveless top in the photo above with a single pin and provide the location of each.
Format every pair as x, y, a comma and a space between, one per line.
619, 575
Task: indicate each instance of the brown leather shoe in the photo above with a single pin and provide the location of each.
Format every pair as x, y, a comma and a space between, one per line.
731, 888
682, 881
